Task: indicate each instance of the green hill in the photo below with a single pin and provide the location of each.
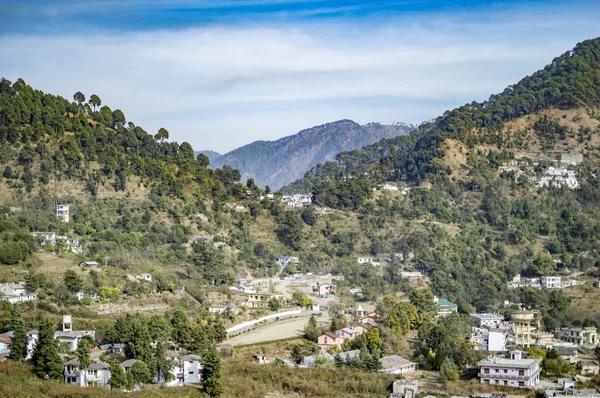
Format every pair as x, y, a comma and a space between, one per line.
475, 215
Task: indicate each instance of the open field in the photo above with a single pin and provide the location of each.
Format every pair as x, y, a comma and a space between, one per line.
272, 331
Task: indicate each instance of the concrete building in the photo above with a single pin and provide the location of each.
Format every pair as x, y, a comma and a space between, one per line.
485, 339
285, 260
445, 307
62, 212
395, 364
487, 319
405, 389
551, 282
526, 327
570, 390
261, 299
15, 293
586, 336
514, 371
192, 369
96, 374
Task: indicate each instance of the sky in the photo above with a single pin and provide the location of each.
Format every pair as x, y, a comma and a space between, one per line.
220, 74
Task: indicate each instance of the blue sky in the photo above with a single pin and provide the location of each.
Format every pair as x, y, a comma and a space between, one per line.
221, 74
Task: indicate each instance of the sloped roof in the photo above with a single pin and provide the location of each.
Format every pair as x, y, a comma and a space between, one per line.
191, 357
394, 361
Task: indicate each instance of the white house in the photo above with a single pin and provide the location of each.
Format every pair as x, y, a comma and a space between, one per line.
395, 364
387, 187
551, 282
45, 238
487, 319
485, 339
97, 374
192, 369
62, 212
285, 260
15, 293
67, 335
89, 264
364, 260
144, 277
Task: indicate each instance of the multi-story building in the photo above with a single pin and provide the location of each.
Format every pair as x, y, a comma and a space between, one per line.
580, 336
551, 282
16, 293
492, 339
487, 319
261, 299
514, 371
96, 374
445, 307
62, 212
569, 390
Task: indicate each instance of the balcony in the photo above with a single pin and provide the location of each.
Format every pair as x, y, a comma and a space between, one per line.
506, 376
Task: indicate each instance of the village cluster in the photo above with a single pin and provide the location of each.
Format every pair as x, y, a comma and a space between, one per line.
555, 176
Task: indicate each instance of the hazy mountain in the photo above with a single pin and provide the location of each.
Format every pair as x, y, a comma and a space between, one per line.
276, 163
212, 155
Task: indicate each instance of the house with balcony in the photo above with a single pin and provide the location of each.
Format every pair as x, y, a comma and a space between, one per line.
586, 336
514, 371
551, 282
96, 374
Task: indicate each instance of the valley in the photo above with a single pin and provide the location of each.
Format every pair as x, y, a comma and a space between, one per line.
456, 256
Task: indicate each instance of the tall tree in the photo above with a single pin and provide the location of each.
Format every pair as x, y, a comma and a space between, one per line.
18, 347
95, 101
72, 281
118, 378
213, 380
79, 97
83, 354
180, 326
46, 361
162, 134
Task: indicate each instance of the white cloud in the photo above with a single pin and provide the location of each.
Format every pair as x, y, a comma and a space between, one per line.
223, 87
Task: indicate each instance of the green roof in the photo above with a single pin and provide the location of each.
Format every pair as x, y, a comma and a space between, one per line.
446, 303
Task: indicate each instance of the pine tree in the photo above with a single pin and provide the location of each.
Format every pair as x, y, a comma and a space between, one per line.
84, 351
118, 378
213, 380
47, 362
18, 347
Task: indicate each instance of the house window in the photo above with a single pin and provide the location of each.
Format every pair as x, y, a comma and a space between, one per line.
521, 384
486, 371
505, 370
191, 372
521, 373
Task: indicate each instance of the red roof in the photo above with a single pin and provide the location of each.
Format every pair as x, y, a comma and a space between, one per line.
96, 349
332, 335
6, 339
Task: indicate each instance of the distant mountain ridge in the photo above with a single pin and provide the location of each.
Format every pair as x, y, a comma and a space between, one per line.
212, 155
277, 163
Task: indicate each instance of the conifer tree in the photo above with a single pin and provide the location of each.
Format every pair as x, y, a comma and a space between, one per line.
84, 351
47, 362
118, 378
18, 347
213, 380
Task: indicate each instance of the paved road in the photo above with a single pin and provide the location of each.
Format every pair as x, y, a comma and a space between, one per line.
273, 331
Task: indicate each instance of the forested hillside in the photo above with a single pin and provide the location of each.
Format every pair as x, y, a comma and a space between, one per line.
474, 217
476, 214
276, 163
